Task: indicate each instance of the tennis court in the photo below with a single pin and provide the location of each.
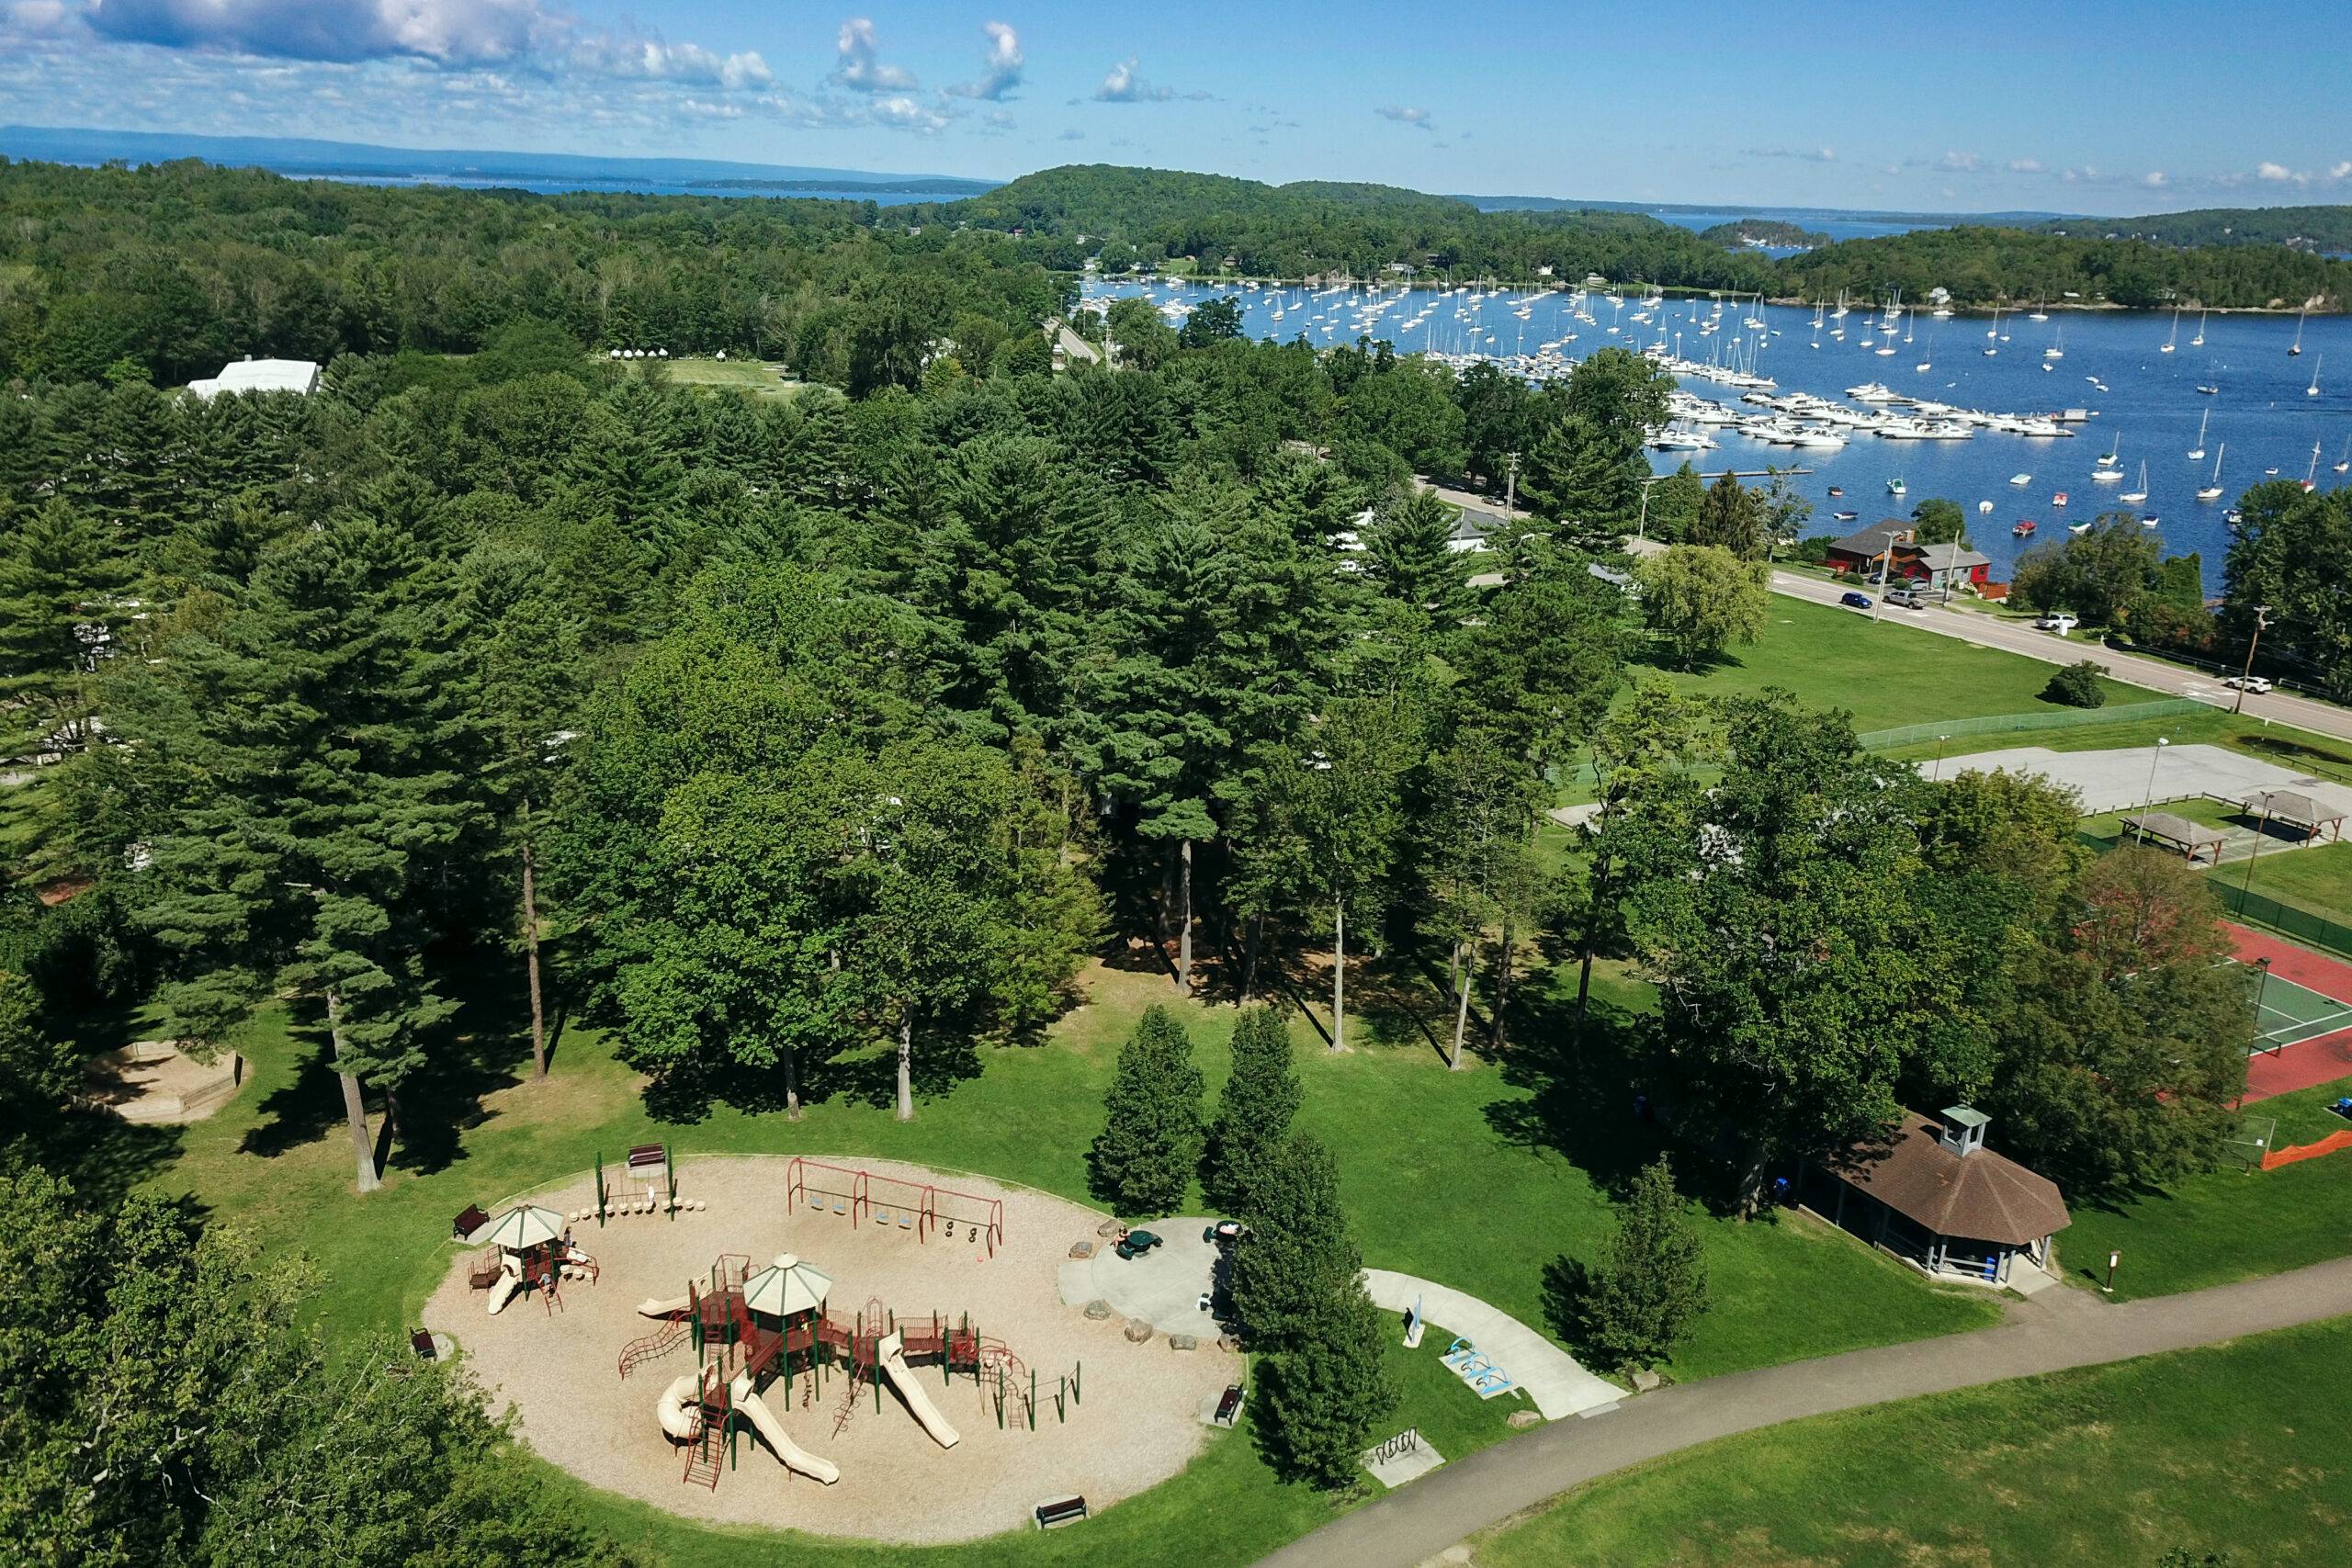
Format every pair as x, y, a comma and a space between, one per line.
2303, 1015
2287, 1014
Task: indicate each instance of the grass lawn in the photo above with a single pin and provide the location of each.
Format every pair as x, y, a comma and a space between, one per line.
2318, 879
2298, 750
1440, 1406
2109, 826
744, 374
2238, 1448
1480, 1179
1886, 673
2231, 1223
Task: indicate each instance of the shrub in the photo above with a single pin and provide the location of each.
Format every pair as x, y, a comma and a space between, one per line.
2078, 687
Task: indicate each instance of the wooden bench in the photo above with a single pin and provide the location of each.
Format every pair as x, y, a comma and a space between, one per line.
1063, 1511
1229, 1406
647, 1157
471, 1220
420, 1341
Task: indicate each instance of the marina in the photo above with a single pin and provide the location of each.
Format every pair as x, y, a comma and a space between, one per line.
1974, 408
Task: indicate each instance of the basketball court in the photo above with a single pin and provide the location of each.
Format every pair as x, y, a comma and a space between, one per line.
2303, 1016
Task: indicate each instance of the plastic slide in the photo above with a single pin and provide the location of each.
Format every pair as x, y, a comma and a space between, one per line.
649, 1307
890, 1357
763, 1421
510, 1279
671, 1408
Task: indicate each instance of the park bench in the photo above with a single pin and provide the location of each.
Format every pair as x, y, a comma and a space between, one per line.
646, 1156
1228, 1405
420, 1341
470, 1221
1065, 1511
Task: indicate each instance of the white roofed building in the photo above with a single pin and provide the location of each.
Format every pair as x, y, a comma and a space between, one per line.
251, 375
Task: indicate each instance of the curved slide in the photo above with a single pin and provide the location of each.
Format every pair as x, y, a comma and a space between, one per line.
650, 1307
890, 1357
510, 1279
679, 1421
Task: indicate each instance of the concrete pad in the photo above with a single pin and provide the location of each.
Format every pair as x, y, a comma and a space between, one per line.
1164, 1286
1076, 1282
1407, 1465
1549, 1375
2118, 780
1575, 815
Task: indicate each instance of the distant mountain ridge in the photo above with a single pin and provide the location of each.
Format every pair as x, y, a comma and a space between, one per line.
301, 155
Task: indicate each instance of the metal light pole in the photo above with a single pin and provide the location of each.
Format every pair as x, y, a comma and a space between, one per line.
2261, 624
2261, 988
2261, 831
2154, 758
1938, 776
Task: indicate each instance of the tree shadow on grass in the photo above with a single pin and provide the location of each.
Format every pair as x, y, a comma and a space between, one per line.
1586, 1102
102, 1156
484, 1046
301, 1110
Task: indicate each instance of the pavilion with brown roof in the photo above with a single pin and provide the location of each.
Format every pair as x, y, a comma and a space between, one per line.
2296, 810
1931, 1193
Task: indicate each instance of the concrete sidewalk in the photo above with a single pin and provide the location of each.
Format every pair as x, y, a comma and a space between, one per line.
2057, 1330
1550, 1375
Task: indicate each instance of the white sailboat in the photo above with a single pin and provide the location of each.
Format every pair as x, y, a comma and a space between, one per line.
2212, 491
2297, 346
2108, 469
2344, 461
2197, 453
2057, 349
2313, 390
2171, 341
2137, 496
2198, 341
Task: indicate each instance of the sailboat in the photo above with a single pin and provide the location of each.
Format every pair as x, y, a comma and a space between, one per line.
1992, 332
2198, 341
2213, 491
2344, 461
2169, 342
2039, 314
2313, 390
2297, 348
2197, 453
2137, 496
2057, 350
2108, 469
2310, 475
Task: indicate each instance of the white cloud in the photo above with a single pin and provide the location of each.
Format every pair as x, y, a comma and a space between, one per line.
651, 60
2154, 179
2277, 172
1414, 117
1959, 163
1803, 154
2340, 170
860, 70
1123, 83
2025, 165
1003, 72
902, 113
446, 32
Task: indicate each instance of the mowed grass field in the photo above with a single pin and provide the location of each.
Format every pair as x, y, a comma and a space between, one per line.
2243, 1449
744, 375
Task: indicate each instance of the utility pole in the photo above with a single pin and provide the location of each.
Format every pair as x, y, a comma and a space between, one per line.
2148, 803
2261, 624
1510, 489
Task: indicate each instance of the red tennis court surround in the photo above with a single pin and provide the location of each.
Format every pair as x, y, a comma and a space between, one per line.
2308, 1063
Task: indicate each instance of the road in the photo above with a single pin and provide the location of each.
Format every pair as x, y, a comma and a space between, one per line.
2012, 637
2059, 1329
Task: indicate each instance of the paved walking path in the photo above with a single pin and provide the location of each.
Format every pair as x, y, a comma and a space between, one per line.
2056, 1330
1559, 1387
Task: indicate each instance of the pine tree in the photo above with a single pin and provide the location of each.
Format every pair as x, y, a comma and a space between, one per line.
1297, 1255
1583, 478
1143, 1160
59, 572
1414, 564
1326, 1395
1652, 1277
1254, 1112
323, 724
1731, 518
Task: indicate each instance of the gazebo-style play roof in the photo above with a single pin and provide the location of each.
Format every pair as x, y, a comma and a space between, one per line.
2296, 810
2191, 838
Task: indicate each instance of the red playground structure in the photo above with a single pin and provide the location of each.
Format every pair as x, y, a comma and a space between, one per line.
919, 1206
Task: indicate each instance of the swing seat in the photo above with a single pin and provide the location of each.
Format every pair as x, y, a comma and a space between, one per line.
906, 1220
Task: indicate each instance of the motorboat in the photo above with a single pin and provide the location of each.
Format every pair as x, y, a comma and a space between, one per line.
2024, 529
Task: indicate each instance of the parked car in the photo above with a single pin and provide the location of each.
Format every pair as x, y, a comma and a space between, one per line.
2056, 621
1135, 1244
1855, 600
1908, 598
2257, 684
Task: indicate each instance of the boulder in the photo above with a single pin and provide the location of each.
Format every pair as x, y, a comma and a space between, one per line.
1138, 1331
1520, 1420
1081, 1249
1646, 1381
1109, 1227
1183, 1342
1098, 1310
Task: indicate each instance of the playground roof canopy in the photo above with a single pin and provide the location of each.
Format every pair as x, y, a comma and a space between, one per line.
524, 1225
786, 1288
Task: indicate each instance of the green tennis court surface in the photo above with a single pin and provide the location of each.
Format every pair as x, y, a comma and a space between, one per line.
2287, 1014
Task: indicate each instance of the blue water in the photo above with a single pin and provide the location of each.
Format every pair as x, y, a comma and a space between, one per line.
2149, 413
1836, 226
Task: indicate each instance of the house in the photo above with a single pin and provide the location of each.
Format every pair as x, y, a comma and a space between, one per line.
251, 375
1867, 550
1941, 566
1932, 1194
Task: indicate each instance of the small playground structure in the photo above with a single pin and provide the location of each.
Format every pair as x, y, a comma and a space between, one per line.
533, 1252
1475, 1367
921, 1207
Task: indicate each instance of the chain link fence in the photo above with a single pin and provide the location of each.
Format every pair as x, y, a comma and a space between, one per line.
2014, 723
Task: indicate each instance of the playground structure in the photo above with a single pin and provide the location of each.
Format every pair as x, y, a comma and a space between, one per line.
1474, 1367
1000, 1315
920, 1207
742, 1345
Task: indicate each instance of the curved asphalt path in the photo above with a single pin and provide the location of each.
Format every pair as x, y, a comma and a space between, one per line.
2060, 1327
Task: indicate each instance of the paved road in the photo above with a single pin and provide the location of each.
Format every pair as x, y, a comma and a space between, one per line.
2057, 1329
2012, 637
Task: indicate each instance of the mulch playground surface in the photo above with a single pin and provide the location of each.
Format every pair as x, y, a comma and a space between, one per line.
1136, 1423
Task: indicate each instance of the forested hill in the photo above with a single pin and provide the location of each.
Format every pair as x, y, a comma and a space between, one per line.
1140, 217
2326, 229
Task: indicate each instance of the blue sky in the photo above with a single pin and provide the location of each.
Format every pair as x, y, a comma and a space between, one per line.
2092, 108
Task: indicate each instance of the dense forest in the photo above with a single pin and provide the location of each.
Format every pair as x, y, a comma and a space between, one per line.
2325, 228
1763, 231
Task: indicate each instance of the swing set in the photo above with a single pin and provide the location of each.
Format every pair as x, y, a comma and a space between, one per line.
889, 1201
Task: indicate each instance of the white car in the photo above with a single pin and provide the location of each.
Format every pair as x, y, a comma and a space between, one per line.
2257, 684
2060, 623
